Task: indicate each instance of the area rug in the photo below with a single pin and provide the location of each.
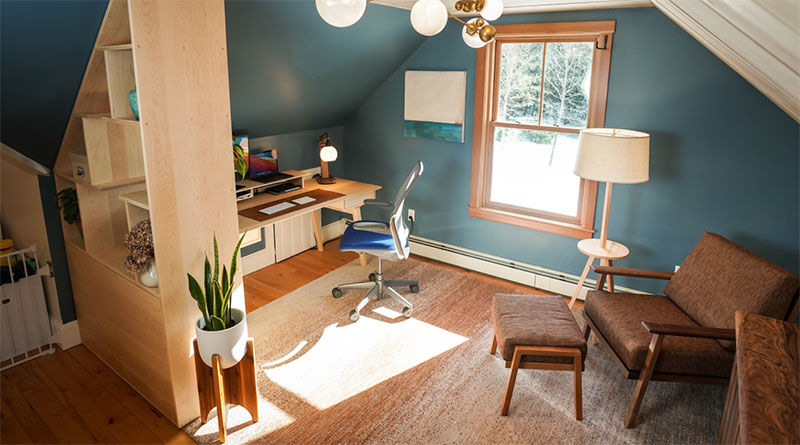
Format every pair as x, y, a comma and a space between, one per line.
430, 379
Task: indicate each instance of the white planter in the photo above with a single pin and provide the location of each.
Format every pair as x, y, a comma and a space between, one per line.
230, 344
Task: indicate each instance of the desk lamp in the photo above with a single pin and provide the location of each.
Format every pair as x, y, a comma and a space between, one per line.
611, 156
327, 153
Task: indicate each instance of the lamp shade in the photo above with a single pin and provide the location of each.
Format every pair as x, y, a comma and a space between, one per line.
328, 153
611, 155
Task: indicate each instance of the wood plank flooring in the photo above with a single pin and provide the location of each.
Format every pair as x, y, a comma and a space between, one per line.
73, 397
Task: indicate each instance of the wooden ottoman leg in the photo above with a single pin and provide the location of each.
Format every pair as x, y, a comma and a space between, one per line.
577, 365
512, 377
494, 344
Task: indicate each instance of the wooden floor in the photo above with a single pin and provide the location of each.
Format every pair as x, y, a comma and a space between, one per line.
73, 397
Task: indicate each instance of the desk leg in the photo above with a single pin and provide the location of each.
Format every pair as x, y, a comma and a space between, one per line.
316, 218
357, 217
580, 282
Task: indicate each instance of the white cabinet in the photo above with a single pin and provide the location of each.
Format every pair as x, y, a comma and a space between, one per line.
277, 242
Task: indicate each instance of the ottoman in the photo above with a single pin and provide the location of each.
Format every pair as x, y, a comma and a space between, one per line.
537, 332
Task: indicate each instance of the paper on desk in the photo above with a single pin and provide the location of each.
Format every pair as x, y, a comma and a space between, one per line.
276, 208
303, 200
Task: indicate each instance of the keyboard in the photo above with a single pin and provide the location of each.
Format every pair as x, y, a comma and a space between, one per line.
271, 177
276, 208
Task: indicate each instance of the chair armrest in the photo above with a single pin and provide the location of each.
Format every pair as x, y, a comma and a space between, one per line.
379, 203
689, 331
626, 272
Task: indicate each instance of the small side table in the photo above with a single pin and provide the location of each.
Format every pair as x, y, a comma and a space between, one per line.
592, 247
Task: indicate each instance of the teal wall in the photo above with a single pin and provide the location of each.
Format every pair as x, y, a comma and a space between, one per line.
290, 71
723, 157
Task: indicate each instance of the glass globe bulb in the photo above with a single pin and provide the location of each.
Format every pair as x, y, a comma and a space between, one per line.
473, 41
428, 17
328, 153
492, 9
341, 13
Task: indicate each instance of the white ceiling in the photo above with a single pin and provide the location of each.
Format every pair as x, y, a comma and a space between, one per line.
523, 6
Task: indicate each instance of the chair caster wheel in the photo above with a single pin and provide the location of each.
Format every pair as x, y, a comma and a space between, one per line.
336, 292
414, 288
354, 316
407, 312
372, 277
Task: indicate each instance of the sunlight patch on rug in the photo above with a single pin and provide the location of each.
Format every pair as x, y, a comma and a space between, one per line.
238, 417
352, 358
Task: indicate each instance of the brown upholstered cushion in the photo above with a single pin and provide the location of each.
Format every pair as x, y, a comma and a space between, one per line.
719, 277
535, 320
619, 319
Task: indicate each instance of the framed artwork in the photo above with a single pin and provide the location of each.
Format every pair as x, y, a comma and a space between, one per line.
434, 105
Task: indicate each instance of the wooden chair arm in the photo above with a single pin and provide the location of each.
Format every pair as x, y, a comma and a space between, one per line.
627, 272
689, 331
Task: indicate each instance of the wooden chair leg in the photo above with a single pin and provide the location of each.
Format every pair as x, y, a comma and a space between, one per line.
494, 344
611, 278
644, 379
512, 377
587, 331
577, 364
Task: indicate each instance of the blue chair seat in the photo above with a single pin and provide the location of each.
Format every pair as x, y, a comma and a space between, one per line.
364, 240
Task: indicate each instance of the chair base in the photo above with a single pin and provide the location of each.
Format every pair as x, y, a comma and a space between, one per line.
378, 289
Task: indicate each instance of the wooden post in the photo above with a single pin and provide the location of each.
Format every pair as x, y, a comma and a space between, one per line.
606, 205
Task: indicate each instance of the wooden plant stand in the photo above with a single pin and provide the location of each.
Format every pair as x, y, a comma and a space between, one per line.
220, 388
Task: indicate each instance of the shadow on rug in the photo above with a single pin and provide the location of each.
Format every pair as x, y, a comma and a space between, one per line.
431, 379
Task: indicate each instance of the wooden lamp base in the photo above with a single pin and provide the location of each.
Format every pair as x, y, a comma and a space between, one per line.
220, 388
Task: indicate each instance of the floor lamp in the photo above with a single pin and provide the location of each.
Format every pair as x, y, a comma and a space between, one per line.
610, 156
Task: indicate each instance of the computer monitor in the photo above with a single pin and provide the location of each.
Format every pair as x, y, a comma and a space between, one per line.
263, 163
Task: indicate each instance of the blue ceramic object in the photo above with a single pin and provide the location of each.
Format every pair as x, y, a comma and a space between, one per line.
134, 101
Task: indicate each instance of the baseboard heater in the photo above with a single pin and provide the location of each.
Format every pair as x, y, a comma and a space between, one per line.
527, 274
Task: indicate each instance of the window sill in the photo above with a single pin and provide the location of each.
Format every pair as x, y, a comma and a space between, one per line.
531, 222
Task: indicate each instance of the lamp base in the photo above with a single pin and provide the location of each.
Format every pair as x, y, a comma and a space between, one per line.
328, 180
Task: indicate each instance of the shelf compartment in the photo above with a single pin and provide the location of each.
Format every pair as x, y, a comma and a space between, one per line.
105, 221
113, 151
120, 47
121, 80
137, 207
70, 231
113, 257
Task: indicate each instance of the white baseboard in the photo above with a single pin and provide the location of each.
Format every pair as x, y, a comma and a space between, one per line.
334, 229
535, 276
65, 335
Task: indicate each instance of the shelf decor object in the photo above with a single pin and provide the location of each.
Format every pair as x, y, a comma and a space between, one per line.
134, 101
140, 261
428, 17
612, 156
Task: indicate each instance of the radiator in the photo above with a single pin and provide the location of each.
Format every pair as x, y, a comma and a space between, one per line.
24, 324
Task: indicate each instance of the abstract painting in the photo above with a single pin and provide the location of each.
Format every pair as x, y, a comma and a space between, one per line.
434, 105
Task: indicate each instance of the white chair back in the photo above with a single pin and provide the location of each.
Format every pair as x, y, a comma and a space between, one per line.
397, 225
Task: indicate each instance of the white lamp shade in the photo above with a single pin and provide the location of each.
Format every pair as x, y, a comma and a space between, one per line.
328, 153
341, 13
473, 41
428, 17
610, 155
492, 10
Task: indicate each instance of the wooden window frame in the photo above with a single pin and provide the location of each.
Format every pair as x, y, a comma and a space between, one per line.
486, 74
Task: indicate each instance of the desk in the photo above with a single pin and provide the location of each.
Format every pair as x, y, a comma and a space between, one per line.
352, 198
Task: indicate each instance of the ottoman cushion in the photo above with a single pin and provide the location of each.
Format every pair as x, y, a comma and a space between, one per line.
535, 320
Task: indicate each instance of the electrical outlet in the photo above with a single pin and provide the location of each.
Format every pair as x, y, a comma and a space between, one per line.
411, 215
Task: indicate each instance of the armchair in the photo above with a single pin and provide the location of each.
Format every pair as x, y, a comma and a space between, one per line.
687, 335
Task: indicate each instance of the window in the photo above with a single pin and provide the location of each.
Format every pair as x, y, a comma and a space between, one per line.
537, 86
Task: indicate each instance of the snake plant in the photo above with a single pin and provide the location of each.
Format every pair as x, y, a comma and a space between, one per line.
215, 302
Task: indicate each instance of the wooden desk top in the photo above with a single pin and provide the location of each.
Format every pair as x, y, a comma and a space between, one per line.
768, 370
350, 190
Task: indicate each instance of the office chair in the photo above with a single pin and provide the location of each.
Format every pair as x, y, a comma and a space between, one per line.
386, 241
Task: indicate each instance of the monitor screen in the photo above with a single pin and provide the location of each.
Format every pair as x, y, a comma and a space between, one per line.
263, 163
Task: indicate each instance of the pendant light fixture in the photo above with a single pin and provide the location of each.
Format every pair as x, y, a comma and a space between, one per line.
428, 17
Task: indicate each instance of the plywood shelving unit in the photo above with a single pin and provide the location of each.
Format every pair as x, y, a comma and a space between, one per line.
164, 168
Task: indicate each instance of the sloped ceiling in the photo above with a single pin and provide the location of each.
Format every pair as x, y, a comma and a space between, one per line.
289, 70
44, 48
